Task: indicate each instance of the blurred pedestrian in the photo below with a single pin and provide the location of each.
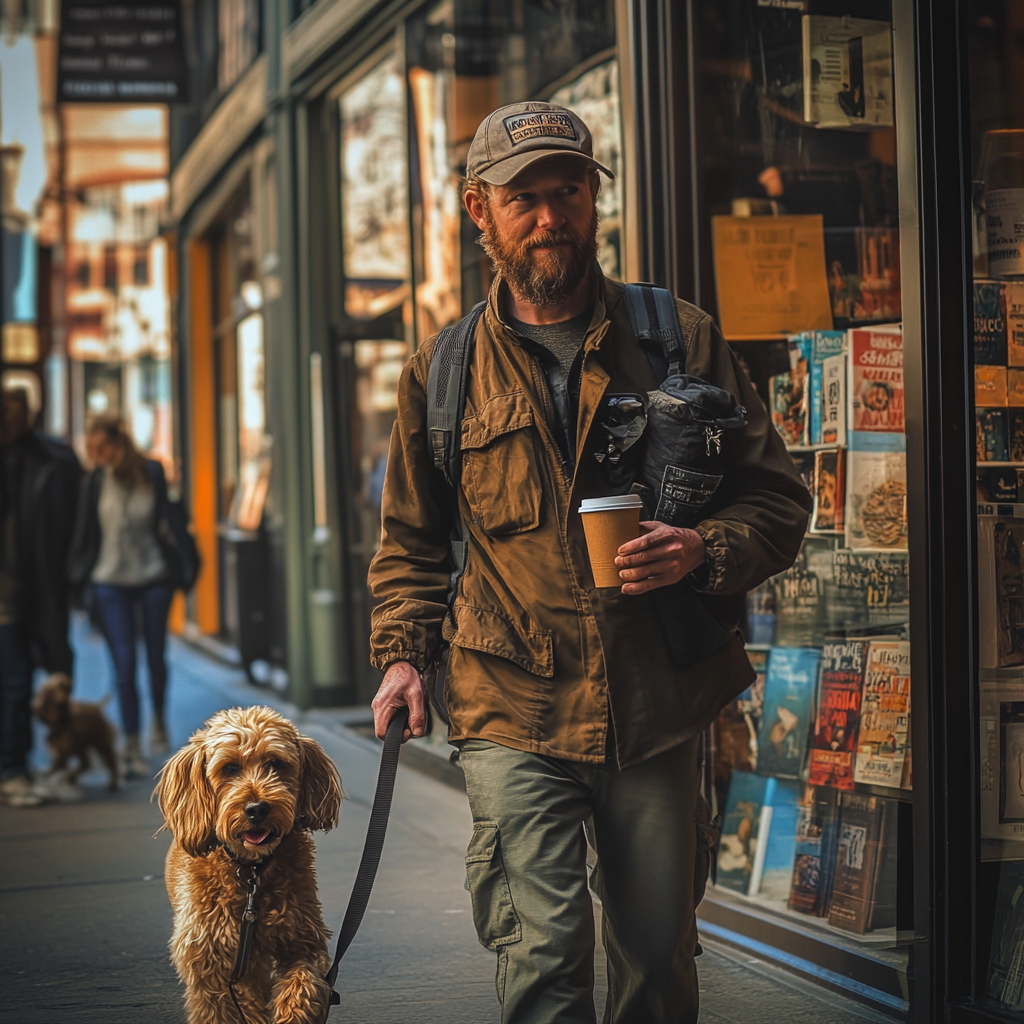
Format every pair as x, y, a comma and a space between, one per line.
125, 557
39, 480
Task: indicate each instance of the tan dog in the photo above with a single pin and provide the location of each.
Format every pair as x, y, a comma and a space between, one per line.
75, 727
247, 790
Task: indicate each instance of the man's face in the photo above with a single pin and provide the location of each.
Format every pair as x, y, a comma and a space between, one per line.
540, 229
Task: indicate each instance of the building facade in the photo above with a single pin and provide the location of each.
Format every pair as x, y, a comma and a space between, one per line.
840, 185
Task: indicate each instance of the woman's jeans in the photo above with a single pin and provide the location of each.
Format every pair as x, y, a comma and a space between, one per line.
116, 606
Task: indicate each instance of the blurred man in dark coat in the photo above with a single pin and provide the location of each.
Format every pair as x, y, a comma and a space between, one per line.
39, 479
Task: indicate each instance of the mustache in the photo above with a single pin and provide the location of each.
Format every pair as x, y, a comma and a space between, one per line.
552, 238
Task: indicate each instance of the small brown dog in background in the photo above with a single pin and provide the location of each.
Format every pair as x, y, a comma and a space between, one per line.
75, 727
246, 792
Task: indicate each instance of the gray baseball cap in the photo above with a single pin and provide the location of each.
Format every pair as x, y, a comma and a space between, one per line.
515, 136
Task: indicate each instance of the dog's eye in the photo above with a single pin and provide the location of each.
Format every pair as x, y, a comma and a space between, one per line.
230, 768
276, 765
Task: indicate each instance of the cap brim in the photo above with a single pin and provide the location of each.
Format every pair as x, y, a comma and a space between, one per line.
505, 170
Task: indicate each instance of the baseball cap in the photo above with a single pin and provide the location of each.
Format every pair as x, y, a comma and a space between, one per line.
519, 134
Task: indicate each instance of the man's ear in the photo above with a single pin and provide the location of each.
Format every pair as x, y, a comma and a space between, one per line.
320, 789
476, 206
186, 799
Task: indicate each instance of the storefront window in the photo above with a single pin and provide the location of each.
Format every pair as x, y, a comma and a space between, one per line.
797, 186
996, 70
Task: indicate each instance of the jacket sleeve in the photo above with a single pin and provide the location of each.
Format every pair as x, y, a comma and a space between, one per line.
759, 514
410, 573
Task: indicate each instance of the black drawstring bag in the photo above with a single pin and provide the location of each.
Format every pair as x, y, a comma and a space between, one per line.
687, 420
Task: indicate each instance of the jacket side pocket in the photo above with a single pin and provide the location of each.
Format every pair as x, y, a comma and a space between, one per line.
495, 917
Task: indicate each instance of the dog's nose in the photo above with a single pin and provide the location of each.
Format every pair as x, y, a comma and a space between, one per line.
257, 812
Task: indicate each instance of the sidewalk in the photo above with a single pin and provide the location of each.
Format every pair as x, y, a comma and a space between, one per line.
84, 917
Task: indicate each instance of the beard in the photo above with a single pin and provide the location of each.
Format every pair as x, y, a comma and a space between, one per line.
547, 280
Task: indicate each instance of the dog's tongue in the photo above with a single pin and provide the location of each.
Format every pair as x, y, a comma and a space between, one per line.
255, 838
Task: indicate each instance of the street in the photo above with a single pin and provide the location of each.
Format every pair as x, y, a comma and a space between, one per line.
84, 916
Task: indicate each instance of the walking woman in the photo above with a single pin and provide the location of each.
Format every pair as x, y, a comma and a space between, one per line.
125, 555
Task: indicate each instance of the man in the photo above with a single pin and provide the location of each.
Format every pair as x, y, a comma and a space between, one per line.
38, 493
564, 699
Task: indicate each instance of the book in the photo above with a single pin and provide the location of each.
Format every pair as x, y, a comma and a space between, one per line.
876, 500
999, 485
990, 344
990, 386
876, 403
990, 440
823, 346
790, 394
761, 614
869, 589
838, 717
814, 852
735, 728
1005, 982
1011, 762
779, 842
847, 72
833, 401
864, 884
884, 714
1015, 435
788, 707
741, 828
1007, 590
829, 491
800, 608
1013, 304
804, 462
1001, 697
1014, 387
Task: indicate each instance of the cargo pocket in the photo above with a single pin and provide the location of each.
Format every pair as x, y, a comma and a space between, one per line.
495, 917
500, 477
708, 833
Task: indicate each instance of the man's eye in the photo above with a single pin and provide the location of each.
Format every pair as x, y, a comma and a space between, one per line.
230, 768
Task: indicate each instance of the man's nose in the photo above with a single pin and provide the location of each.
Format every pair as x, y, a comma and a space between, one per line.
548, 218
257, 812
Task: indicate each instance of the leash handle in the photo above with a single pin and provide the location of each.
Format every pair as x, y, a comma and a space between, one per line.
374, 844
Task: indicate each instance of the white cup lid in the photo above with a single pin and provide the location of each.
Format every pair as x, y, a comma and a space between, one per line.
613, 503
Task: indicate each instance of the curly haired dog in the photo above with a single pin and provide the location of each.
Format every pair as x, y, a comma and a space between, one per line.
74, 728
248, 790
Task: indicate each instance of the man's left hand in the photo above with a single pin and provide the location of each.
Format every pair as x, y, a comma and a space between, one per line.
660, 556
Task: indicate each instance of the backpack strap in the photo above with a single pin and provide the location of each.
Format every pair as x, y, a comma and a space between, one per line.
655, 322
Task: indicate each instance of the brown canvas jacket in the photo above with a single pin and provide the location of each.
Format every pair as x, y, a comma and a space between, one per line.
539, 658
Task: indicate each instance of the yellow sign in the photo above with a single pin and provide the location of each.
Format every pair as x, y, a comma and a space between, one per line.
20, 343
770, 276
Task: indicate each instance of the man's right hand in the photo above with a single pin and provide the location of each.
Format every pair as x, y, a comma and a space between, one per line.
401, 687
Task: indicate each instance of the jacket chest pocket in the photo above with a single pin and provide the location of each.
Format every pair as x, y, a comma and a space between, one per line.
500, 474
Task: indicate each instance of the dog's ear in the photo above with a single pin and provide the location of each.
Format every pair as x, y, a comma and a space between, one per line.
319, 789
186, 799
62, 683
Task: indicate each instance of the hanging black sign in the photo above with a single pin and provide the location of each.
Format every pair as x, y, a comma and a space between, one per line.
130, 51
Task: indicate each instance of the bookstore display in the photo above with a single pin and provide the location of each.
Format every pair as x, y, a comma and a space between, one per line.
813, 768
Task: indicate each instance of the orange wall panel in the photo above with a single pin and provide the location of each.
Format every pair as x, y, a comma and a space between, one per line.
203, 436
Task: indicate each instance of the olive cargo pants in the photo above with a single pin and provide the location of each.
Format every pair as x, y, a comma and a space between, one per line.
526, 872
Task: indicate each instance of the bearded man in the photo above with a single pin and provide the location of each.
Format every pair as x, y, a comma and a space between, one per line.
572, 719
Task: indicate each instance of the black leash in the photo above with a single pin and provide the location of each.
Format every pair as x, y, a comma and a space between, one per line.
372, 847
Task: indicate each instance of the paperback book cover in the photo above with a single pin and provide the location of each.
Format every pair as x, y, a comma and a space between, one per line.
847, 72
1013, 303
1014, 386
829, 490
884, 714
788, 709
876, 501
800, 609
990, 386
1006, 959
1011, 762
825, 346
839, 701
1008, 586
991, 442
741, 829
876, 389
815, 851
833, 401
864, 885
780, 843
990, 343
790, 394
738, 722
1015, 434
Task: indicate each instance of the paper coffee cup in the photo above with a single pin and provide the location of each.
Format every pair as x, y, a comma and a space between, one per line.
609, 523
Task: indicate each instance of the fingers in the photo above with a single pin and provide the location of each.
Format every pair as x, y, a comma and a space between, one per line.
663, 567
668, 547
656, 534
401, 687
417, 714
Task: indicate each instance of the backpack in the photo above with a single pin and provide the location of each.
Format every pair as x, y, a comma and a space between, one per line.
655, 323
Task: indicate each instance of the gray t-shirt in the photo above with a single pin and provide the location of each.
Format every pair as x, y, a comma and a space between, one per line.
562, 340
129, 553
